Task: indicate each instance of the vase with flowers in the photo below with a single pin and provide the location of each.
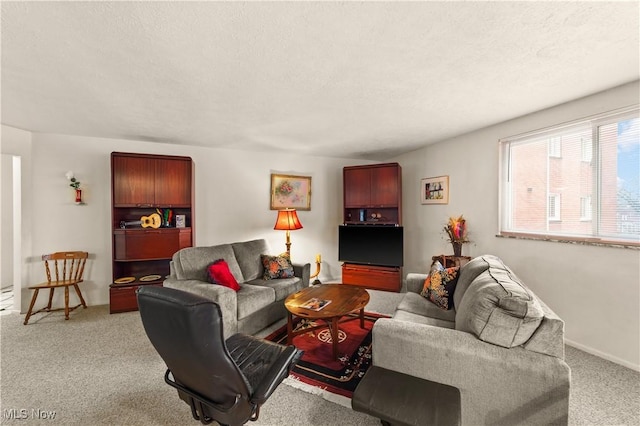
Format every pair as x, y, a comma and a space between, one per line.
456, 229
75, 184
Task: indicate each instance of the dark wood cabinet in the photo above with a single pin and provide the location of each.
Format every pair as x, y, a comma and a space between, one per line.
123, 298
357, 186
370, 276
140, 181
143, 184
132, 178
384, 186
173, 182
373, 194
149, 244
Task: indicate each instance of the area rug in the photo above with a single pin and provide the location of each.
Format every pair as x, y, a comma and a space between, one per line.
318, 367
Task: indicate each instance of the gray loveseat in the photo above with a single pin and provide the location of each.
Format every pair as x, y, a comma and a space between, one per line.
257, 304
501, 346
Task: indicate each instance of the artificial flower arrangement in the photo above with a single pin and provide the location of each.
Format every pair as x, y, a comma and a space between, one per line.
456, 229
75, 184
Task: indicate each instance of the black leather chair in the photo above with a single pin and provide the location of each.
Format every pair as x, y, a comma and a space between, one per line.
226, 381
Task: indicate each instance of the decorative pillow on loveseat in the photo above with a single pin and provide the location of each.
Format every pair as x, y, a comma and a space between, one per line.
440, 284
276, 266
218, 272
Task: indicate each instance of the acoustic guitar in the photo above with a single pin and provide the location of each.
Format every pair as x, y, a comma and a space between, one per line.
151, 221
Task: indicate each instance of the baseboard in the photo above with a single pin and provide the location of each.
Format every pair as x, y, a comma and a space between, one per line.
599, 354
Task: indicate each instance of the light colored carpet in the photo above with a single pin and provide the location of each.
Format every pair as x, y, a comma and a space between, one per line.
100, 369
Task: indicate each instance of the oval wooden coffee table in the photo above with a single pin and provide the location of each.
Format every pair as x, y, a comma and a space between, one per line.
344, 299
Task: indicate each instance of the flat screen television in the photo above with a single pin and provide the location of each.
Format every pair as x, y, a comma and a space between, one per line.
371, 244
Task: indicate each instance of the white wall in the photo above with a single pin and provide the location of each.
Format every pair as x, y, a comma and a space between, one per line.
232, 203
595, 290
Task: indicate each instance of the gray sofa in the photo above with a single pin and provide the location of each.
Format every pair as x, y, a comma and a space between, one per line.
257, 304
501, 346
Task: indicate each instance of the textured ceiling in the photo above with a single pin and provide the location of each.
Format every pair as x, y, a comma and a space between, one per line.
364, 80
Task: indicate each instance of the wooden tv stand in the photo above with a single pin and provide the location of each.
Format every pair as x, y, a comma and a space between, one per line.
387, 278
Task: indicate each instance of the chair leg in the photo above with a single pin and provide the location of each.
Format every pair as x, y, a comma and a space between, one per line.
84, 305
33, 302
66, 302
50, 298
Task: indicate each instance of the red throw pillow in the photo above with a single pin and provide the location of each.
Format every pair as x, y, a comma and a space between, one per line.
218, 272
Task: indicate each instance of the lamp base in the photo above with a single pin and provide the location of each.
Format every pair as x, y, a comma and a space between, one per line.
288, 243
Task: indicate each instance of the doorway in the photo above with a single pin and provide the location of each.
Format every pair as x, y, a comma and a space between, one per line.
11, 247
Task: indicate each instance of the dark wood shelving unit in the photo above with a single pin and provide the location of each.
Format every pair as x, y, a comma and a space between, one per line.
141, 184
372, 196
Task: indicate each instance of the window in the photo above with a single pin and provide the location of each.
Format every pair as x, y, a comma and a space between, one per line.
587, 149
554, 207
585, 208
555, 147
579, 180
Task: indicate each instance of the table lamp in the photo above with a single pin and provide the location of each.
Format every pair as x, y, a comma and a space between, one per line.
288, 221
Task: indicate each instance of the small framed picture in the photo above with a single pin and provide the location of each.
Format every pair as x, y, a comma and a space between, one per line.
290, 192
180, 221
435, 190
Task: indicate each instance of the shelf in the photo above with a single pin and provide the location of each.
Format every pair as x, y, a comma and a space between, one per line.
140, 185
161, 229
372, 223
137, 283
145, 259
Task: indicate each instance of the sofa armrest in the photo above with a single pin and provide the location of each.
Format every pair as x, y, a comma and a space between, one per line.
225, 297
302, 271
497, 385
172, 269
415, 282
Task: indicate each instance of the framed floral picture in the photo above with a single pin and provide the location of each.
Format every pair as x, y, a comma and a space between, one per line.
435, 190
293, 192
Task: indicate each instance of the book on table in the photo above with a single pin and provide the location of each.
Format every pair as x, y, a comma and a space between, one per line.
315, 304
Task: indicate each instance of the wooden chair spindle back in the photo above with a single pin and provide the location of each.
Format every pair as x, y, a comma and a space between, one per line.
71, 262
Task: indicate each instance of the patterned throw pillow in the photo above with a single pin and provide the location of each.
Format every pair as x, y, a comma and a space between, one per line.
218, 272
440, 284
276, 266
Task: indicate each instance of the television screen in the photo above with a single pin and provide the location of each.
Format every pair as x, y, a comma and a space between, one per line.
371, 244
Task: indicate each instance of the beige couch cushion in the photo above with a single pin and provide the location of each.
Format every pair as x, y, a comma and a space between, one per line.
247, 254
252, 298
191, 263
421, 319
416, 304
498, 308
282, 287
469, 272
